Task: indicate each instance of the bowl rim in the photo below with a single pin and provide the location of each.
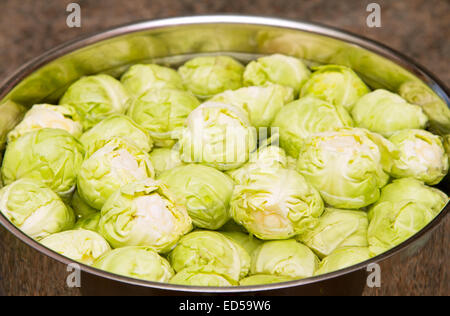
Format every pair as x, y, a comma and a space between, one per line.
68, 47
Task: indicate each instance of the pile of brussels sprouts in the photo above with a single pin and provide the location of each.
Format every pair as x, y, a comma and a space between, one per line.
220, 174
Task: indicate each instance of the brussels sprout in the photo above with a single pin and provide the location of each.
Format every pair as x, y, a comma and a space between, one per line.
140, 78
210, 75
232, 226
337, 229
391, 223
35, 209
80, 207
343, 258
218, 135
276, 205
422, 156
136, 262
161, 112
118, 126
52, 156
164, 159
81, 245
116, 162
210, 252
246, 241
303, 118
186, 277
260, 103
90, 222
261, 279
143, 214
347, 166
95, 98
284, 258
335, 84
279, 69
385, 112
204, 191
48, 116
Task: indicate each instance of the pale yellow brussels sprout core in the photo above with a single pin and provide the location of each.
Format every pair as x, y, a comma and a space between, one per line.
95, 98
210, 75
204, 191
287, 258
217, 135
35, 208
48, 116
422, 156
260, 103
121, 126
144, 213
162, 112
303, 118
385, 113
193, 278
136, 262
337, 229
343, 258
164, 159
261, 279
140, 78
81, 245
279, 69
211, 252
347, 166
115, 163
52, 156
335, 84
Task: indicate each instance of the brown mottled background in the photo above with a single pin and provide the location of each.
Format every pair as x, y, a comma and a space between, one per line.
418, 28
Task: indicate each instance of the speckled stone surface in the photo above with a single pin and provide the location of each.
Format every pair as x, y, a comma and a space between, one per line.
418, 28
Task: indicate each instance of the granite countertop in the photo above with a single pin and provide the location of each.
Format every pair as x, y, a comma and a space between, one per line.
418, 28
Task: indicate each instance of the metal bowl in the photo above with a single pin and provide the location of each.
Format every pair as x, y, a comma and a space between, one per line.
171, 42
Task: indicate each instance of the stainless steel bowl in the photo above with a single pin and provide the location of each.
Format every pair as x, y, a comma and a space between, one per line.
171, 42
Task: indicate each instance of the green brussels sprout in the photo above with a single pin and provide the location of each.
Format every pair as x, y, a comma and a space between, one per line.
144, 214
279, 69
48, 116
284, 258
35, 209
343, 258
422, 156
246, 241
194, 278
80, 207
164, 159
218, 135
337, 229
118, 125
140, 78
90, 222
210, 75
204, 191
391, 223
303, 118
348, 166
260, 103
276, 205
385, 112
52, 156
335, 84
95, 98
161, 112
210, 252
81, 245
261, 279
136, 262
116, 162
